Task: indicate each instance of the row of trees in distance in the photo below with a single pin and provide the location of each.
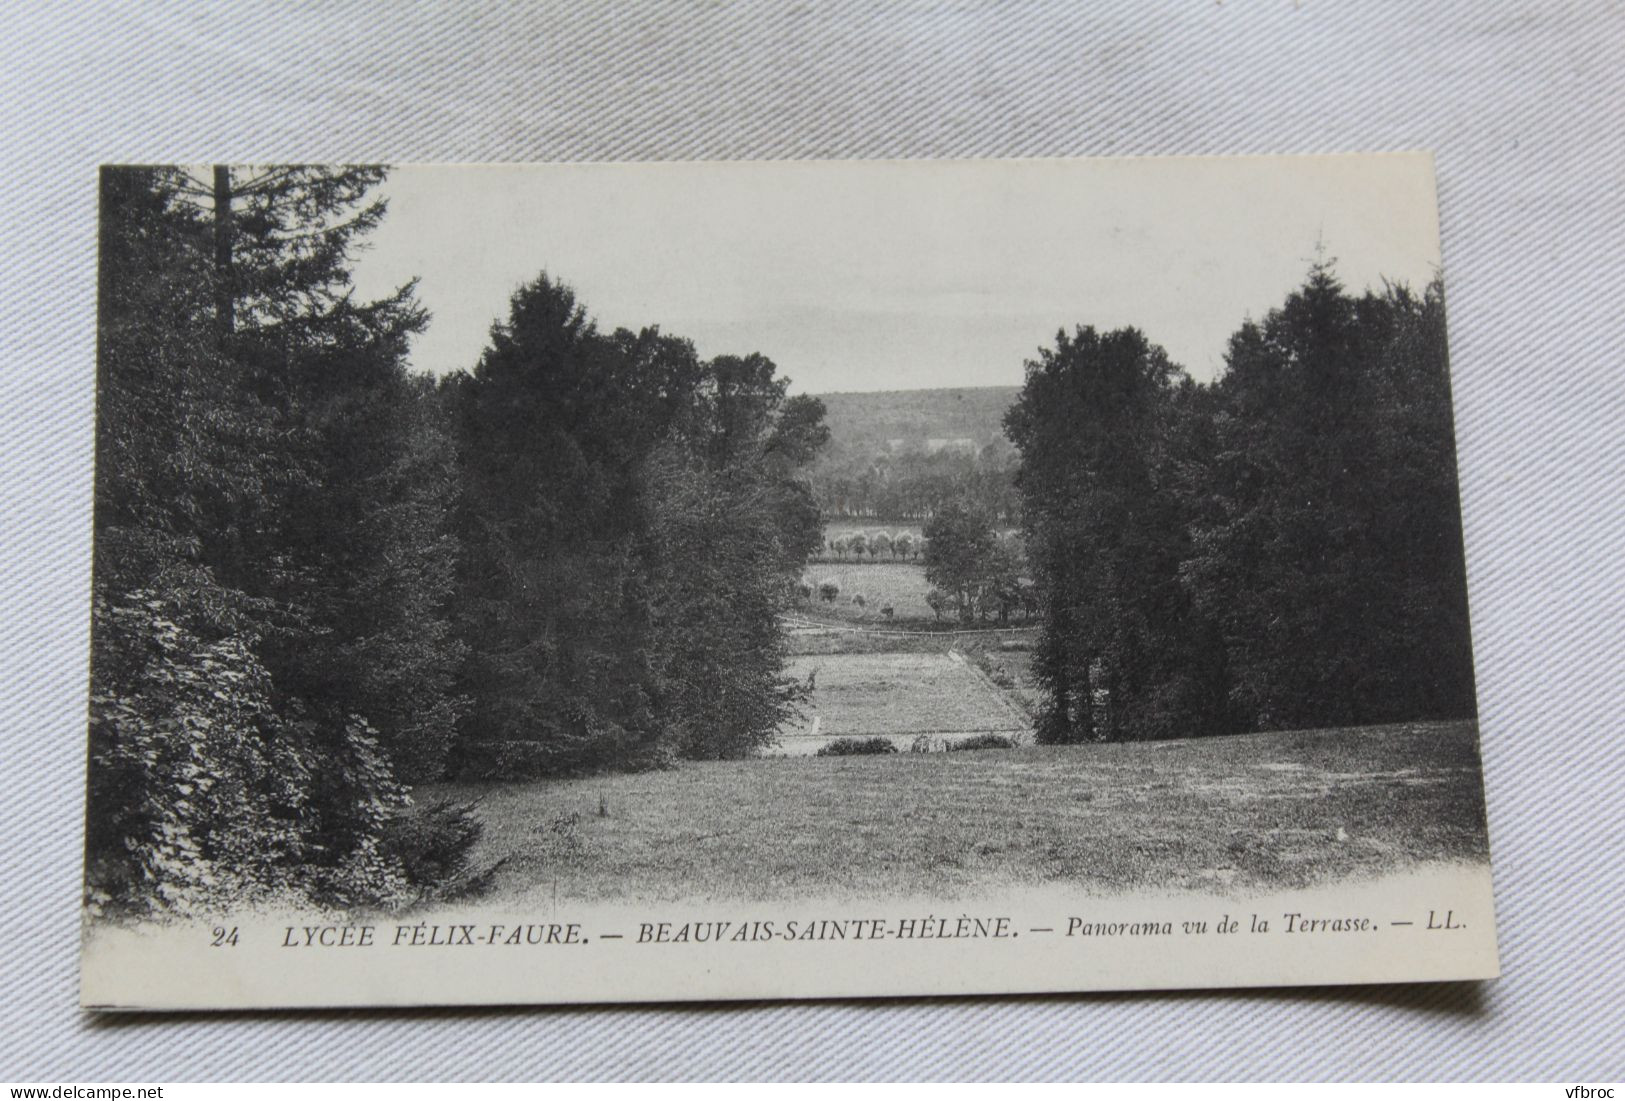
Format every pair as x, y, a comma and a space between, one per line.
916, 483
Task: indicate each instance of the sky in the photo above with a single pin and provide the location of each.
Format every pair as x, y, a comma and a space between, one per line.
889, 275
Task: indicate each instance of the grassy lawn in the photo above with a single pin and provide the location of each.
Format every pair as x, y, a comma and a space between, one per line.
899, 694
1260, 810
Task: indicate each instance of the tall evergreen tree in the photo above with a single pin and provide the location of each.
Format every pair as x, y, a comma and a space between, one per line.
354, 547
192, 787
633, 519
1280, 549
1334, 560
1119, 654
552, 428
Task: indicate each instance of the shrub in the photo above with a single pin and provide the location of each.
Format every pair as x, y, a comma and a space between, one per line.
856, 747
804, 591
859, 600
829, 589
434, 845
997, 675
927, 743
982, 741
888, 611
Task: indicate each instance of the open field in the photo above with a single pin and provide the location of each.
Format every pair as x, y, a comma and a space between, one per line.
902, 586
899, 585
810, 635
1255, 811
898, 695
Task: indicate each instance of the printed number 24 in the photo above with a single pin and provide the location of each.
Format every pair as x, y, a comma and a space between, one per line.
224, 936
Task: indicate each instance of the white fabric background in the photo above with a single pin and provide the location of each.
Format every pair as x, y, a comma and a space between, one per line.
1522, 104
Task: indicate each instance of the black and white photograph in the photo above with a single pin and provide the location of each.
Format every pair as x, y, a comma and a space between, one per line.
715, 580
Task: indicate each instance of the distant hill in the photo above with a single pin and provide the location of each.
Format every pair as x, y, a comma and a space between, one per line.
890, 421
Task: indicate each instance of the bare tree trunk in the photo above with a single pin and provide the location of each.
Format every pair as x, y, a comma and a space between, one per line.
225, 299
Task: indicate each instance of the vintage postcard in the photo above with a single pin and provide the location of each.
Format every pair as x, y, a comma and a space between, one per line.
629, 582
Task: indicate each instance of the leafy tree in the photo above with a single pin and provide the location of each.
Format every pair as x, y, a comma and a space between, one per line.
1001, 579
201, 792
1106, 533
1280, 549
614, 486
959, 551
718, 651
1331, 558
735, 468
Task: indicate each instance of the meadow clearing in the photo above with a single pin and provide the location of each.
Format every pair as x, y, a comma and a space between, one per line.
1275, 810
896, 695
1256, 811
900, 586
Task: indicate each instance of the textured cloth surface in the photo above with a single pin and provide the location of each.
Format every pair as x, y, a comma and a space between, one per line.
1521, 104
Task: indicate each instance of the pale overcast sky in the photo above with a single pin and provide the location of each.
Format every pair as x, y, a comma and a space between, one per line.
882, 275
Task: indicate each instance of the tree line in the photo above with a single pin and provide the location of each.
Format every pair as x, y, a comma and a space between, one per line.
1279, 549
320, 579
915, 484
880, 546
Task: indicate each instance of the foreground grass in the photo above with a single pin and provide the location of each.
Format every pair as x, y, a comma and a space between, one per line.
1261, 810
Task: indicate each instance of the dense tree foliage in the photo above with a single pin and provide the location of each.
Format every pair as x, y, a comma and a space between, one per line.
270, 539
634, 523
973, 568
1330, 553
321, 579
286, 520
1280, 549
913, 483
